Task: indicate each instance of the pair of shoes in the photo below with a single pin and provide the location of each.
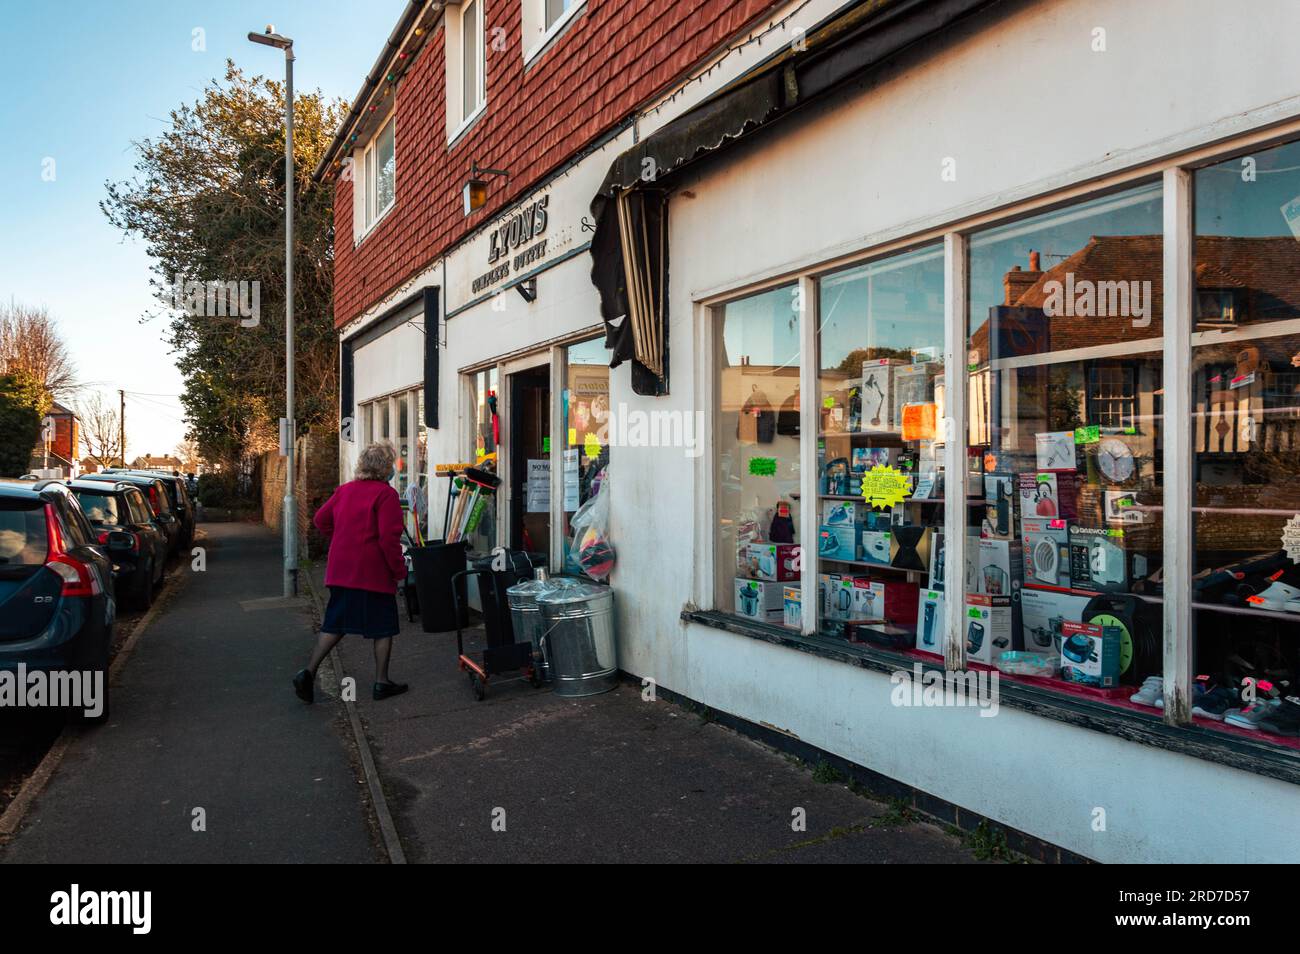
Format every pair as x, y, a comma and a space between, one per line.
1215, 703
383, 690
1151, 694
304, 684
1284, 719
1248, 717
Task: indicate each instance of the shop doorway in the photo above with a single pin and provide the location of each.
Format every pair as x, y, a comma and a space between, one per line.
530, 462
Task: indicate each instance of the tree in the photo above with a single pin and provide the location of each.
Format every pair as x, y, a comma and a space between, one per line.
21, 400
101, 430
30, 343
188, 453
208, 199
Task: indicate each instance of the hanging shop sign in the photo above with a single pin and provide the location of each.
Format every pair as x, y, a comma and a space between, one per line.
519, 233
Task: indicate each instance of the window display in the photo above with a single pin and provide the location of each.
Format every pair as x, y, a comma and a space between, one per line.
1246, 445
758, 565
486, 437
1064, 483
586, 413
880, 476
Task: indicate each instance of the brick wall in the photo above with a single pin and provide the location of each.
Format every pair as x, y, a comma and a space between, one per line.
316, 473
613, 57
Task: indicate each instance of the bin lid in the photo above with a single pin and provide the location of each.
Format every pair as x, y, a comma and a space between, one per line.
538, 588
576, 592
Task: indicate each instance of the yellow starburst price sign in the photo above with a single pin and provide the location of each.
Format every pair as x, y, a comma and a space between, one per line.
884, 487
591, 445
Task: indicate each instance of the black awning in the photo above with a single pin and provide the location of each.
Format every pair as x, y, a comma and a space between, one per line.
836, 53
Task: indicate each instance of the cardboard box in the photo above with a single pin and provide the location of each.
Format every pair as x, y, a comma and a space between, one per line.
988, 625
839, 543
1054, 450
1090, 654
875, 392
1047, 551
875, 546
768, 561
792, 604
868, 600
844, 513
1099, 560
840, 600
929, 621
1048, 494
1044, 612
1001, 499
864, 458
1001, 570
937, 563
911, 386
761, 600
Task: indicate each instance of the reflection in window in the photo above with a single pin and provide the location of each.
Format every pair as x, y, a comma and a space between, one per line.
758, 575
1246, 444
1065, 502
586, 412
879, 456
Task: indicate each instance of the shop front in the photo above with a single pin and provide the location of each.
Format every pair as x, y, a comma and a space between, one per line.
1017, 399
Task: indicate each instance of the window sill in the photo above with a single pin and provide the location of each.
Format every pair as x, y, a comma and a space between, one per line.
1238, 753
458, 133
553, 32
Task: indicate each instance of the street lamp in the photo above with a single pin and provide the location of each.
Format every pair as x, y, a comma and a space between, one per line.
289, 513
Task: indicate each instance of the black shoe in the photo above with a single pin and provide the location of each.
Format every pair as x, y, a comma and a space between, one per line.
385, 689
1284, 720
304, 684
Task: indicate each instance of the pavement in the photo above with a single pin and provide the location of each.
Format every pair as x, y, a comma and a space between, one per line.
203, 716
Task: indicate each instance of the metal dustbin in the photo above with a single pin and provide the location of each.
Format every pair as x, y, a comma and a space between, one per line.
578, 641
526, 614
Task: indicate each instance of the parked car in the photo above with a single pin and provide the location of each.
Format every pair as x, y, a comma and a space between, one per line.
178, 494
124, 524
56, 584
155, 492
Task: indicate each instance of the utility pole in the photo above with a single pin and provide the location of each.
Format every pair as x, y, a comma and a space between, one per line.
121, 425
289, 510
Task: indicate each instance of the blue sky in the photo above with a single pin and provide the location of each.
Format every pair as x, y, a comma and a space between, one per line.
82, 81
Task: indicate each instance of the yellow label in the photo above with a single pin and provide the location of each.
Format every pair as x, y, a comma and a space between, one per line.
591, 446
884, 487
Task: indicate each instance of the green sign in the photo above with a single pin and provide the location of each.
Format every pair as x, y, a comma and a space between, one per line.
1087, 435
762, 466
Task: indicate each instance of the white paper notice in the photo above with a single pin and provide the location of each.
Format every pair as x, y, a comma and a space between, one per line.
538, 492
570, 479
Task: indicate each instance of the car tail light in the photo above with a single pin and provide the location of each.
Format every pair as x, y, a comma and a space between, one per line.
78, 580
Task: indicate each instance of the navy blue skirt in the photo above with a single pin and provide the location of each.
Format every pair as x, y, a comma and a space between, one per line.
365, 613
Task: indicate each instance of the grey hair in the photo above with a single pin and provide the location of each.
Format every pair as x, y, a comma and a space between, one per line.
376, 462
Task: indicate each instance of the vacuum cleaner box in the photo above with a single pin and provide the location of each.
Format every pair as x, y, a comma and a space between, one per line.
792, 603
761, 599
1047, 551
988, 625
768, 561
929, 621
1099, 560
1090, 654
1001, 568
1043, 613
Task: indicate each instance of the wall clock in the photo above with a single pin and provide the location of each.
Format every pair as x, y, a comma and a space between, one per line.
1115, 459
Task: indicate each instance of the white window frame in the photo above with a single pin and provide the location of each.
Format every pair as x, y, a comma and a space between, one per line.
458, 121
1176, 172
537, 36
366, 179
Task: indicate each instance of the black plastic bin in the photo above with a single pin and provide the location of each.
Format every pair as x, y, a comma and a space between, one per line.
498, 626
435, 564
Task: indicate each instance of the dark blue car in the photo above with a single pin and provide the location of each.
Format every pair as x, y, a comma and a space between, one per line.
56, 585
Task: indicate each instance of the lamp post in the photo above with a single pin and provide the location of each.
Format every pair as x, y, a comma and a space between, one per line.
289, 513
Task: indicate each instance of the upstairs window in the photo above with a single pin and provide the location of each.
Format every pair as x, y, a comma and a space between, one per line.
466, 65
543, 20
379, 169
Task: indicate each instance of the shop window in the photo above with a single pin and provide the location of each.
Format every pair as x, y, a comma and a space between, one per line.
1245, 409
586, 414
880, 489
485, 437
1063, 489
758, 566
466, 65
380, 170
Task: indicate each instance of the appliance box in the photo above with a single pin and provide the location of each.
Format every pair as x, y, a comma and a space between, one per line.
1049, 494
1002, 500
1001, 569
839, 543
988, 625
1099, 560
1090, 654
929, 621
1043, 612
1046, 550
875, 547
768, 561
792, 599
761, 600
844, 513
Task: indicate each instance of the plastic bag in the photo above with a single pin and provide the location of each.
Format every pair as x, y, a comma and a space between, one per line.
591, 549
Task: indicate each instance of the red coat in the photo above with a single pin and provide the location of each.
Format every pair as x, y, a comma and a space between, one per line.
363, 521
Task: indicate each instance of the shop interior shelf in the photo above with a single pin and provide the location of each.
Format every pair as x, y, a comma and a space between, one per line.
872, 566
1232, 610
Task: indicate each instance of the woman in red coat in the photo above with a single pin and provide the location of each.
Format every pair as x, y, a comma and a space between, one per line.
363, 522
